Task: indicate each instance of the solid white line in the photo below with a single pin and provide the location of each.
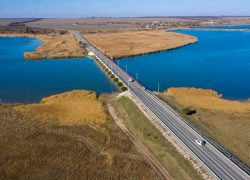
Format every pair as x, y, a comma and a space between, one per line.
191, 140
191, 129
178, 118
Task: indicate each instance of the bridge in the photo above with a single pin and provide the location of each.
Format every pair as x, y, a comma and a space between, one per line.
214, 160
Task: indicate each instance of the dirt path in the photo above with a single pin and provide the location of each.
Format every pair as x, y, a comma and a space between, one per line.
140, 146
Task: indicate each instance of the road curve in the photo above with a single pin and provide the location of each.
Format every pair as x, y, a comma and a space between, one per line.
219, 164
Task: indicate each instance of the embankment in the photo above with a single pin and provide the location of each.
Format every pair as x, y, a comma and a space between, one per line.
112, 76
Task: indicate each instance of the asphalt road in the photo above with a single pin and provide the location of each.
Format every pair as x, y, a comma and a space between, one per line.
218, 163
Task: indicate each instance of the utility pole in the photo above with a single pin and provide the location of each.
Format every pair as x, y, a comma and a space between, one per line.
126, 69
158, 87
136, 76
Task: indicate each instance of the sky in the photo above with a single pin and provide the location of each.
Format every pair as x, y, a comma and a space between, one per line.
121, 8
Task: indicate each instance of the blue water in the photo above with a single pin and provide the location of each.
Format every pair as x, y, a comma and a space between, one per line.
219, 61
227, 27
23, 81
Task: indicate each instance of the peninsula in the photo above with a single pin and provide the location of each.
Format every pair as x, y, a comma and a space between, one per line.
54, 47
130, 44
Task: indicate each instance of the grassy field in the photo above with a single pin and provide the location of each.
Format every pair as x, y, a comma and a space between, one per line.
129, 44
226, 121
55, 47
11, 20
104, 23
177, 166
96, 23
43, 141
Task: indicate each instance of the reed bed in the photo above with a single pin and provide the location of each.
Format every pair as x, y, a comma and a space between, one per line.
129, 44
70, 108
207, 99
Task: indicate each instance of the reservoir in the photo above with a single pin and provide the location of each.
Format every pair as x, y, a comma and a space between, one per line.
23, 81
219, 61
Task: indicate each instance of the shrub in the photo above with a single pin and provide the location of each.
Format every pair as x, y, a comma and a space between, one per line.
185, 111
119, 84
107, 70
116, 79
112, 76
124, 89
109, 73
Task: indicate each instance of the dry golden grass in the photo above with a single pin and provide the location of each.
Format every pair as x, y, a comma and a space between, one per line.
79, 113
228, 122
31, 153
38, 141
207, 99
70, 108
55, 47
118, 45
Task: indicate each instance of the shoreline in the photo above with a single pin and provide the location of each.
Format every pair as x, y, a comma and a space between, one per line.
134, 44
154, 52
108, 94
203, 29
54, 47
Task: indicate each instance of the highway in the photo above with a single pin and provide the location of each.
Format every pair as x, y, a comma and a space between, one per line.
219, 164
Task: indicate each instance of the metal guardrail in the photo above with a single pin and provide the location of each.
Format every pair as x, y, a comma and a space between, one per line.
216, 175
203, 134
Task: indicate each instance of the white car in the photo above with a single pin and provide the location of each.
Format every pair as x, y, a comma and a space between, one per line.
130, 80
200, 142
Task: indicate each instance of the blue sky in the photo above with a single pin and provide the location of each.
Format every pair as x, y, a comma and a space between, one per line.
121, 8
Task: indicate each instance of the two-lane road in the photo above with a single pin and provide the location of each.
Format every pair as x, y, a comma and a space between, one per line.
219, 164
